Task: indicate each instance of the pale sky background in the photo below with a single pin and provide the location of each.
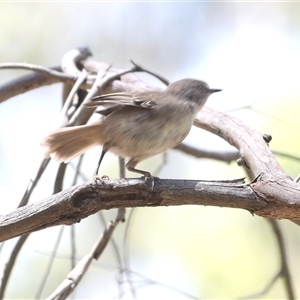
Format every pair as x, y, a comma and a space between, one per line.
250, 50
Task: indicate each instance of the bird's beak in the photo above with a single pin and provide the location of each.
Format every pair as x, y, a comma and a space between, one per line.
215, 90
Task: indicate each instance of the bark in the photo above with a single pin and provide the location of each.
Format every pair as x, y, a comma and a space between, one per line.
80, 201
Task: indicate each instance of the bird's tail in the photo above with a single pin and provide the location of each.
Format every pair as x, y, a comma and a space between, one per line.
66, 143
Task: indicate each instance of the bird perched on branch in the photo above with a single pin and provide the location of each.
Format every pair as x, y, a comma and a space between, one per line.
137, 125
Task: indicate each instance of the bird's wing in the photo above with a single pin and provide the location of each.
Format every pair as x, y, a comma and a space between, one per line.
146, 100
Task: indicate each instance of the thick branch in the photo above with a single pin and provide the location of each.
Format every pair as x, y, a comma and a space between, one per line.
250, 143
271, 184
27, 83
80, 201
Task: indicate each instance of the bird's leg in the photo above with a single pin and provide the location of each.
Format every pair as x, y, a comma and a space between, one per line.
96, 176
131, 167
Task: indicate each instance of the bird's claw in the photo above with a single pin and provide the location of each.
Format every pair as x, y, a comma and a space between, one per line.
147, 176
102, 179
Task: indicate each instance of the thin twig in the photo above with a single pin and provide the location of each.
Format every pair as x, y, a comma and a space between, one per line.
73, 247
141, 69
263, 291
33, 182
64, 112
286, 155
59, 178
297, 178
126, 254
122, 167
120, 215
10, 264
251, 107
226, 156
147, 281
117, 253
284, 270
73, 243
82, 114
75, 276
50, 264
40, 69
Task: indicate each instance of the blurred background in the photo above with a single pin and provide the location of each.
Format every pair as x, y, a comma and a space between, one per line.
250, 50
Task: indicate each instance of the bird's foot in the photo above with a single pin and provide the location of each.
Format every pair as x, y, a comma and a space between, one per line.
101, 179
147, 176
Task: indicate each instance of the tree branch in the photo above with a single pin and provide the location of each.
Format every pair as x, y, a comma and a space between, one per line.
271, 183
80, 201
250, 143
226, 156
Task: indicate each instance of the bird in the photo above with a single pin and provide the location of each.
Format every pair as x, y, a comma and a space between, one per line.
135, 125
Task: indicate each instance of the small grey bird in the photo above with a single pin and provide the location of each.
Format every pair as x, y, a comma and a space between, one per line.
137, 125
